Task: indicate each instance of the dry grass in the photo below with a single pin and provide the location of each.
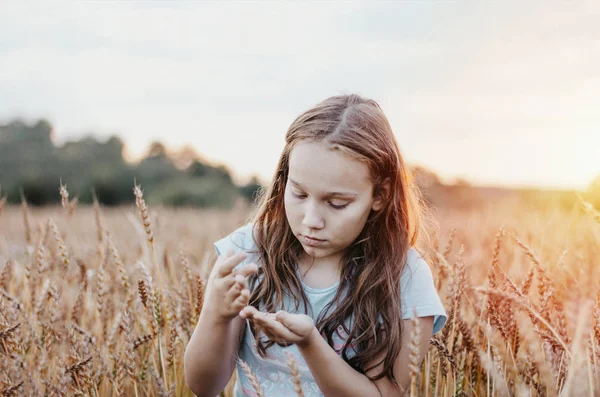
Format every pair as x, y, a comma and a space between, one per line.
101, 302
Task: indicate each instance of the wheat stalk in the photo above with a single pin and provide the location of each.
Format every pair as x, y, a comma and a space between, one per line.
26, 222
588, 208
414, 349
253, 379
297, 382
59, 337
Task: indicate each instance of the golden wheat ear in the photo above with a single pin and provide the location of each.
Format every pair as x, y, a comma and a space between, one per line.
252, 377
296, 380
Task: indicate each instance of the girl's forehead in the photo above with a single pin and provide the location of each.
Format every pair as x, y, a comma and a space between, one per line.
316, 166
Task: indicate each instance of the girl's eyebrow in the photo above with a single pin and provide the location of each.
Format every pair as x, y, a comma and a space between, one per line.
326, 194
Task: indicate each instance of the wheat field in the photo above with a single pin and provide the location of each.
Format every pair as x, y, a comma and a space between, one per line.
102, 301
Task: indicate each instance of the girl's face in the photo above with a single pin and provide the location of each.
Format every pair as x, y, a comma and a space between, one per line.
328, 196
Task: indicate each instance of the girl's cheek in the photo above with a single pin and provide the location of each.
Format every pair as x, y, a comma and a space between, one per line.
354, 221
288, 205
292, 208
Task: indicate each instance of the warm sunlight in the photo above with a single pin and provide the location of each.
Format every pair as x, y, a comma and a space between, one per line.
513, 104
300, 199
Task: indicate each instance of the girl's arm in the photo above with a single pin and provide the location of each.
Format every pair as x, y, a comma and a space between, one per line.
335, 377
210, 356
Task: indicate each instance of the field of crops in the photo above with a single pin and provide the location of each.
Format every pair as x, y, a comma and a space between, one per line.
102, 301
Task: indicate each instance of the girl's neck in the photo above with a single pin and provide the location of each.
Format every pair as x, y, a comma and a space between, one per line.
327, 268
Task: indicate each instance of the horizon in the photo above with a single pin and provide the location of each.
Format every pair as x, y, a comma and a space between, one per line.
513, 105
265, 180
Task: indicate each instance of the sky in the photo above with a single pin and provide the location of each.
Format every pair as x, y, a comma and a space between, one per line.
502, 93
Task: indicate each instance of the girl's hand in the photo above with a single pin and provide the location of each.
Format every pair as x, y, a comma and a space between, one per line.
227, 290
282, 327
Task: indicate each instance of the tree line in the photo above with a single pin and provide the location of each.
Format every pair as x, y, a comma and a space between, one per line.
32, 165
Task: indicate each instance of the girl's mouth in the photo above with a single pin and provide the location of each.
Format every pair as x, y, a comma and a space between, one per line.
311, 241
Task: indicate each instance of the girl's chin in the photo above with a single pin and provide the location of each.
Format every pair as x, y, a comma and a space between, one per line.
316, 252
308, 248
311, 250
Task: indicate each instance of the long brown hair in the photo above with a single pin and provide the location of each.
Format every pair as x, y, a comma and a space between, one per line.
373, 263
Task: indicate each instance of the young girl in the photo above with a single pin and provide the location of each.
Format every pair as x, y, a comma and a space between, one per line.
326, 270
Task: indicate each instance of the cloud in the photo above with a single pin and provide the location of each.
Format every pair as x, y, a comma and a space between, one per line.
219, 75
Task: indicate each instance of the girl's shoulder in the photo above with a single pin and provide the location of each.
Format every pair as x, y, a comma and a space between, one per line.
414, 262
238, 240
416, 269
419, 292
241, 239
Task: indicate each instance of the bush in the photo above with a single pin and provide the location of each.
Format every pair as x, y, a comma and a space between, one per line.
206, 192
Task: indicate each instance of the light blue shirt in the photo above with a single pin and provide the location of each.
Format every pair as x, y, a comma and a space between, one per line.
417, 290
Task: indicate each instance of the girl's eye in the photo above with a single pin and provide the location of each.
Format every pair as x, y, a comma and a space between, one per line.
334, 206
298, 195
338, 207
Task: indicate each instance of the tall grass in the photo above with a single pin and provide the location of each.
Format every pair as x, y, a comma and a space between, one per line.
102, 301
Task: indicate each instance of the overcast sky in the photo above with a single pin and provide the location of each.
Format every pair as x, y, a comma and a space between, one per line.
499, 93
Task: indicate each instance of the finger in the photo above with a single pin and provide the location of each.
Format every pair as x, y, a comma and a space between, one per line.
232, 294
235, 290
248, 312
274, 327
241, 281
238, 304
241, 300
246, 293
233, 282
230, 262
228, 282
247, 269
259, 319
259, 328
238, 279
285, 319
263, 320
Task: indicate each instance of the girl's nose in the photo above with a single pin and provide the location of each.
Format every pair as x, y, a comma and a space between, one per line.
312, 218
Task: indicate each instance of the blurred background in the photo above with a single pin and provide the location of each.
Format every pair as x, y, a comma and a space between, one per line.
193, 99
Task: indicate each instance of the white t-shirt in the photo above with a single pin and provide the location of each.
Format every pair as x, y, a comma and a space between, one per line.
417, 290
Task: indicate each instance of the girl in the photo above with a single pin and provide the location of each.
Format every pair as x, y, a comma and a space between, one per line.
326, 270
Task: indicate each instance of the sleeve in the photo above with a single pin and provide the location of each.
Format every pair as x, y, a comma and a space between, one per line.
419, 292
238, 240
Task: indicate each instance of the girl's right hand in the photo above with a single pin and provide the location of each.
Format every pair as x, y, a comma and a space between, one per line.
227, 290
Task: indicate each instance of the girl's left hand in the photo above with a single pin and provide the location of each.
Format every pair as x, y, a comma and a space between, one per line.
282, 327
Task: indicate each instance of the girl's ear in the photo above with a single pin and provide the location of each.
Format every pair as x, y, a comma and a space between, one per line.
381, 194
